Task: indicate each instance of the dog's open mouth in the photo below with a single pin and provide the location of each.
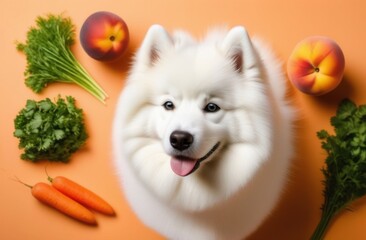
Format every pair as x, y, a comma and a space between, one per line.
183, 166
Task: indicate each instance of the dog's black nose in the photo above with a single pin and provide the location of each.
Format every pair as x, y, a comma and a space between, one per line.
181, 140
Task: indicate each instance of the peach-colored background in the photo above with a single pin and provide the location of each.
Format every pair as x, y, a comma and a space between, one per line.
282, 23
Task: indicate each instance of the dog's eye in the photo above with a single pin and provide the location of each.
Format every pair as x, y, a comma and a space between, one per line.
211, 107
169, 105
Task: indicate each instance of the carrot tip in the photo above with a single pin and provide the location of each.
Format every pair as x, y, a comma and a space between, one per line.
16, 179
49, 178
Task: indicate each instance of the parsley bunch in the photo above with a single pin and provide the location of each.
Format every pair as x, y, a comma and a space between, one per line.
50, 131
49, 58
345, 165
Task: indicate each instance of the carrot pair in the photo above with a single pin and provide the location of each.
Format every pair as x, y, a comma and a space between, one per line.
71, 199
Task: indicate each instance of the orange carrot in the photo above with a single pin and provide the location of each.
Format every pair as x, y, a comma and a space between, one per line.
81, 195
53, 198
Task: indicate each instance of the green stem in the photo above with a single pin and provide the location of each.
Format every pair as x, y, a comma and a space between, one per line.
322, 226
85, 79
333, 204
87, 76
72, 71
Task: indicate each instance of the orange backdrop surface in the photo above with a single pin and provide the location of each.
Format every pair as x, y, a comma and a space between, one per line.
281, 23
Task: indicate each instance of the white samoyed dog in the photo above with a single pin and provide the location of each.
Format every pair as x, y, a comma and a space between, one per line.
203, 134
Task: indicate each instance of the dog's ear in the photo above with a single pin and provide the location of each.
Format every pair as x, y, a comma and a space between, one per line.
238, 47
156, 42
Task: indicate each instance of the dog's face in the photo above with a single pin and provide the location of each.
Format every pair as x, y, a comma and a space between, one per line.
194, 121
192, 102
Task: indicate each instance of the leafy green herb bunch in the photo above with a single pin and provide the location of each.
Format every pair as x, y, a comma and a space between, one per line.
345, 165
50, 59
50, 130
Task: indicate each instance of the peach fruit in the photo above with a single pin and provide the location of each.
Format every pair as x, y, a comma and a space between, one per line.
104, 36
316, 65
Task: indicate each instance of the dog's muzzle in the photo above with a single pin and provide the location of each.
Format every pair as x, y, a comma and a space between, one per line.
183, 165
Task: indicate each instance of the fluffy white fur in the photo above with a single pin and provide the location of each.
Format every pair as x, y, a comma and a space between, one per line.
238, 185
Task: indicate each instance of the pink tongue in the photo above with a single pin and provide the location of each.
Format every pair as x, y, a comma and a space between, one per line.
182, 166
